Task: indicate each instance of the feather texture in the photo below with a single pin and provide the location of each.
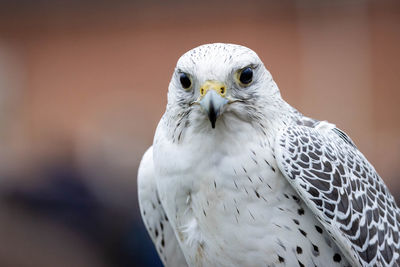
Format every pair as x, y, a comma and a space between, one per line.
343, 190
154, 217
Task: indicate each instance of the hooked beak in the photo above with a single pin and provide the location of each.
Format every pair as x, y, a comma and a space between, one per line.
213, 100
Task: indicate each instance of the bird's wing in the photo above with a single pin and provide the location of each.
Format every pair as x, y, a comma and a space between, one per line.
343, 190
154, 217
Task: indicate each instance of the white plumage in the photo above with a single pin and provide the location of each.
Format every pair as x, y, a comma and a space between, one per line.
154, 217
261, 185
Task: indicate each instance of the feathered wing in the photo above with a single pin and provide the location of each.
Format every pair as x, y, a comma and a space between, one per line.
343, 190
154, 217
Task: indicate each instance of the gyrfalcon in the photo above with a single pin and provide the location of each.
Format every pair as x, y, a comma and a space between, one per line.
238, 177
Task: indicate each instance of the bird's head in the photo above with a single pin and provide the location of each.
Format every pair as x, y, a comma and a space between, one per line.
215, 82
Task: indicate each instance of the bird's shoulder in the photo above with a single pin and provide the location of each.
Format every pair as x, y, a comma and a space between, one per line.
342, 188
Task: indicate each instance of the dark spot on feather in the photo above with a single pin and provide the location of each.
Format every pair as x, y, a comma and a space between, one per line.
300, 211
316, 250
300, 263
337, 257
281, 259
319, 229
296, 221
299, 250
257, 194
302, 232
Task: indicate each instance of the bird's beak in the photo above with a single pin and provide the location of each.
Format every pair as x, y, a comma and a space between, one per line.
213, 100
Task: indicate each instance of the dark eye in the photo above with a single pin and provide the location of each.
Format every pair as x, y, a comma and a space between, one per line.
246, 76
185, 80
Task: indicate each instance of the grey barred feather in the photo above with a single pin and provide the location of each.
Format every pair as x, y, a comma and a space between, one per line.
344, 191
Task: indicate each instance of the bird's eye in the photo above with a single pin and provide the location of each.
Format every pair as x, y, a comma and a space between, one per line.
246, 76
185, 80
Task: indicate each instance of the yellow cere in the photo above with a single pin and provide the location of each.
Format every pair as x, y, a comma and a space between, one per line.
217, 86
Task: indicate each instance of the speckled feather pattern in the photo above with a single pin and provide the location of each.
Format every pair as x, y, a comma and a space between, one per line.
267, 187
344, 190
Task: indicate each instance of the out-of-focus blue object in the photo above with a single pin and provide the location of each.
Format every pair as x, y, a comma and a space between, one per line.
64, 198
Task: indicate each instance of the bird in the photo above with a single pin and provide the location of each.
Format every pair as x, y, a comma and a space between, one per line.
238, 177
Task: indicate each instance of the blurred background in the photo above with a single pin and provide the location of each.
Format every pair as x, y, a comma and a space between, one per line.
83, 85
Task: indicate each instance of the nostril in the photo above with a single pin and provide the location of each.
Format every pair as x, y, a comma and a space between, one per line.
222, 90
202, 91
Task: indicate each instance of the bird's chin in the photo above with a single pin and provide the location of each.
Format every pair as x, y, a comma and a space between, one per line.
229, 118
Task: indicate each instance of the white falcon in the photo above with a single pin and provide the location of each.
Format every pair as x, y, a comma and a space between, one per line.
238, 177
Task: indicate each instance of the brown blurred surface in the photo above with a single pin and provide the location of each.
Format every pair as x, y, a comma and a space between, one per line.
87, 82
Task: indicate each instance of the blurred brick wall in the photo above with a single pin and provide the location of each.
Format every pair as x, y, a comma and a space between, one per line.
89, 79
91, 66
